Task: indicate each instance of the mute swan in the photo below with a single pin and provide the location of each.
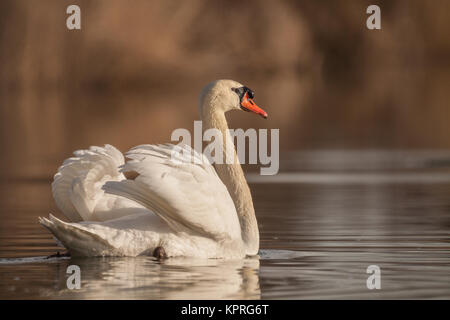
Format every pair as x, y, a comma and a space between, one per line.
174, 207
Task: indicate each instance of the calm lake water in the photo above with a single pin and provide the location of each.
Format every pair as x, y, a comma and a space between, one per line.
323, 221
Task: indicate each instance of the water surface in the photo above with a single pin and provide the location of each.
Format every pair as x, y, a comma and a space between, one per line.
318, 236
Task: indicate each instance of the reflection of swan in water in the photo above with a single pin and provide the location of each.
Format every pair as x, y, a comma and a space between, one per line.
176, 278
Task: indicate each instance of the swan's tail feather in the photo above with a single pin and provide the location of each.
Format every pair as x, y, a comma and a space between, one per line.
77, 184
75, 238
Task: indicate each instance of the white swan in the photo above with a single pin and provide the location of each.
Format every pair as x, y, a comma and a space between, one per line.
174, 207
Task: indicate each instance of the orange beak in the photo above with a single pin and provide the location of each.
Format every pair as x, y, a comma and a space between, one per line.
248, 105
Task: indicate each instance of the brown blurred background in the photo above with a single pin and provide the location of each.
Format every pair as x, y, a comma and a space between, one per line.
132, 74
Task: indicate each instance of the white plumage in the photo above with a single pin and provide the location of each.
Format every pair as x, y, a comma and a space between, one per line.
177, 202
77, 186
174, 203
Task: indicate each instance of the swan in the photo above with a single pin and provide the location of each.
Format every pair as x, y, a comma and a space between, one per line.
175, 207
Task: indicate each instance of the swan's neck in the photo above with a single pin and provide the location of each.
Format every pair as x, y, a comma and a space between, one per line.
233, 178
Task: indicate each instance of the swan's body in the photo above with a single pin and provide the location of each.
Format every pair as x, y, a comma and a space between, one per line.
180, 205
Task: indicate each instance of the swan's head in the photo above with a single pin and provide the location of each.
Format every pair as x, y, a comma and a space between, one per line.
226, 95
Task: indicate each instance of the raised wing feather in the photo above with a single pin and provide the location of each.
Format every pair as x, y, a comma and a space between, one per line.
77, 185
181, 186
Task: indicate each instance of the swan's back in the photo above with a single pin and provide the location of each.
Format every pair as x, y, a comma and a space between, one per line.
175, 202
182, 187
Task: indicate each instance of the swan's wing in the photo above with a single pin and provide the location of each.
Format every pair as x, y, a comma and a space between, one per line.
181, 186
77, 185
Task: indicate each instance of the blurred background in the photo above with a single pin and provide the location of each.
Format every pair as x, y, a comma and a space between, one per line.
364, 137
132, 74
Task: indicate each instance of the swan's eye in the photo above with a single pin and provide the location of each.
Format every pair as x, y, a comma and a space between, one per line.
242, 90
250, 92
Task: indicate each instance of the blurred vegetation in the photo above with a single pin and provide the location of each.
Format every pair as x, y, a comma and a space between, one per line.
133, 73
